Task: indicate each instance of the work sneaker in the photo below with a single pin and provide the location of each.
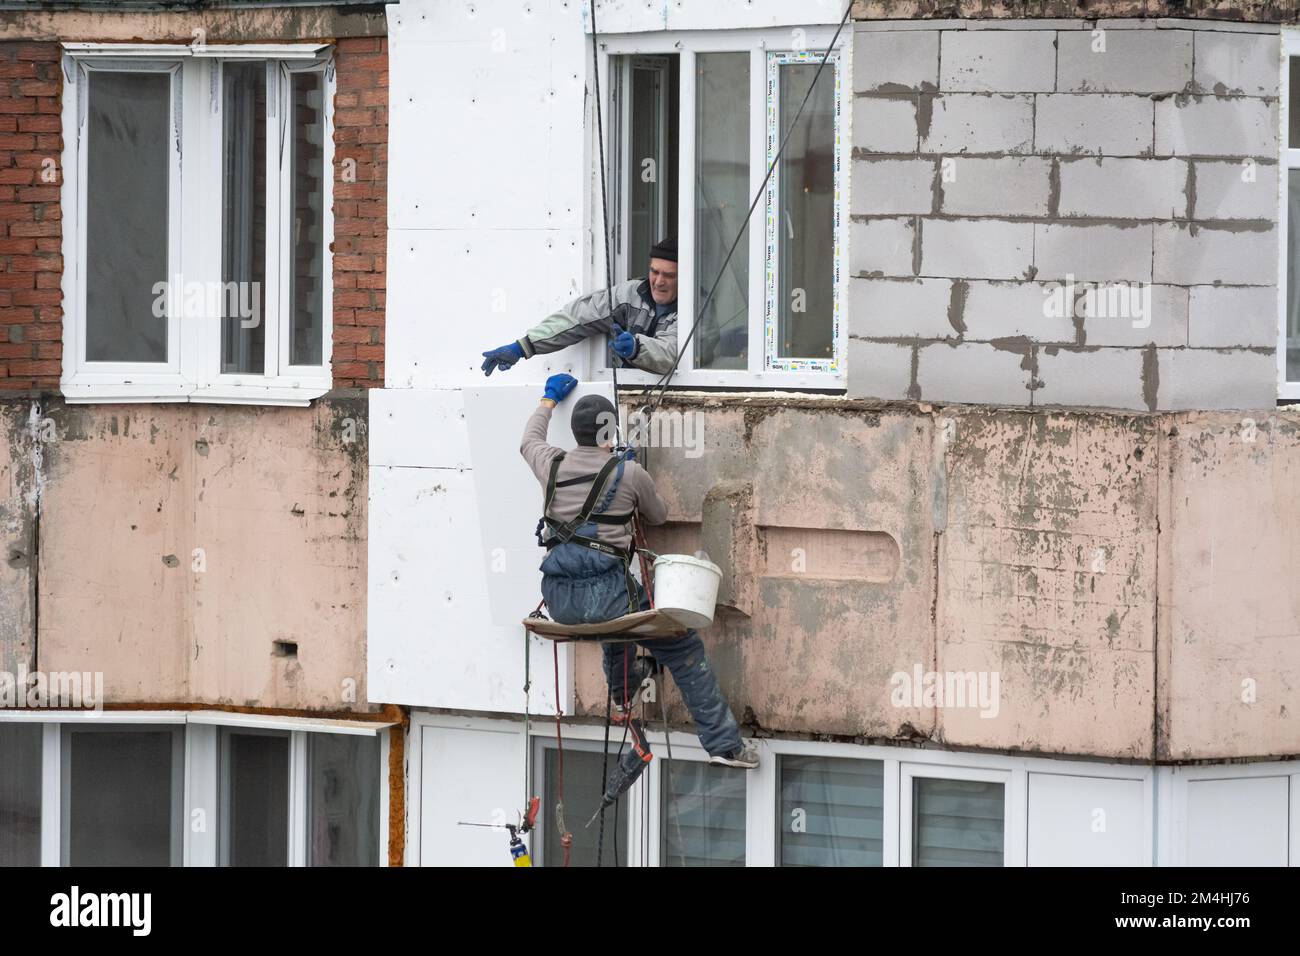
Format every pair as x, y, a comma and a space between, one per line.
746, 758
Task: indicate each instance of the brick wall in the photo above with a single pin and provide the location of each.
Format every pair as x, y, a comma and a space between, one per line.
360, 211
31, 317
992, 164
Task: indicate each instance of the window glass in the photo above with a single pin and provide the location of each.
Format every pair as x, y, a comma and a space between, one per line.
1292, 272
805, 227
1293, 101
20, 794
121, 796
722, 198
306, 219
957, 822
243, 234
257, 793
703, 819
582, 790
831, 812
343, 800
128, 162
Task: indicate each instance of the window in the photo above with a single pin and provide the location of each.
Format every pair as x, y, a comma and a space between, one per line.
20, 794
646, 97
254, 828
343, 801
855, 804
197, 212
954, 817
831, 813
703, 815
1288, 350
123, 795
719, 107
583, 785
196, 789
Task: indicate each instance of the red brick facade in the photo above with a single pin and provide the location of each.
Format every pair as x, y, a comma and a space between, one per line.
360, 210
31, 263
31, 266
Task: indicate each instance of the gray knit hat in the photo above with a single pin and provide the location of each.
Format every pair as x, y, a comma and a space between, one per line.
592, 414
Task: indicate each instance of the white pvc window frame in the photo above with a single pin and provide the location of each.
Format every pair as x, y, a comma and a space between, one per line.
64, 794
199, 769
1289, 160
1014, 845
295, 792
763, 46
762, 794
192, 370
1174, 802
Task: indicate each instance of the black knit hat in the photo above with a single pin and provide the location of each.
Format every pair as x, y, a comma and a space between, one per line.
665, 249
591, 415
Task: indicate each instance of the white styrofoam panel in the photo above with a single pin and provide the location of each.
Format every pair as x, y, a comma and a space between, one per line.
733, 14
431, 640
627, 16
454, 294
509, 496
418, 428
1085, 821
486, 120
469, 776
1240, 822
640, 16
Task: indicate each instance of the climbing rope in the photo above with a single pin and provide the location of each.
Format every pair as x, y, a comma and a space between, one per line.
566, 838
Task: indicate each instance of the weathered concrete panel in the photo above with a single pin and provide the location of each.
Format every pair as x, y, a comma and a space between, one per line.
178, 542
1125, 576
816, 468
19, 487
1229, 627
1046, 576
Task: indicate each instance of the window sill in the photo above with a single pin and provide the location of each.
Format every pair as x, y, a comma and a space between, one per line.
737, 380
297, 395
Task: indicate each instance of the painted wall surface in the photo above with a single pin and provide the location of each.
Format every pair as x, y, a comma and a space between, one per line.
1123, 575
175, 544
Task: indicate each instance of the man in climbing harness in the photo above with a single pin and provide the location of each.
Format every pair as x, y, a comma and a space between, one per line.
641, 319
590, 495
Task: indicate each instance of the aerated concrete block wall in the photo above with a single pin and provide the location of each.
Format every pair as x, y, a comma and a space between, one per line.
1065, 213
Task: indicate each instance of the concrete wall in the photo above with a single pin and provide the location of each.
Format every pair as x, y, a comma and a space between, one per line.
1123, 575
1002, 176
170, 546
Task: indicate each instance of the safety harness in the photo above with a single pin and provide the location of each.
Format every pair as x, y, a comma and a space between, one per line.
592, 511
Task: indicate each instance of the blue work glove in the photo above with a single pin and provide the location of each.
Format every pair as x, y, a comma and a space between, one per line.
559, 386
503, 357
625, 343
629, 454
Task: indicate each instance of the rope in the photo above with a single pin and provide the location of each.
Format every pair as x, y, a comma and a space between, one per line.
662, 384
566, 838
528, 683
604, 762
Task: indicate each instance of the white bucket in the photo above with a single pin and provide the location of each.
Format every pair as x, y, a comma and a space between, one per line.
686, 588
